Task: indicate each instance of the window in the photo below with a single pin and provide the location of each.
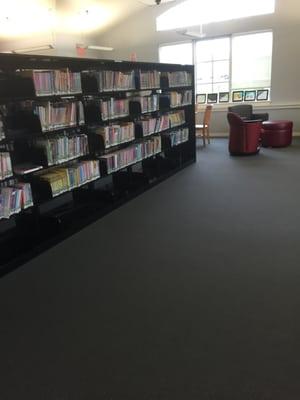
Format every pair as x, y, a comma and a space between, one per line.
213, 65
227, 63
196, 12
252, 60
181, 53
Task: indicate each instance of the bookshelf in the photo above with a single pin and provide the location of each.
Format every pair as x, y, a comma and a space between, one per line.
80, 137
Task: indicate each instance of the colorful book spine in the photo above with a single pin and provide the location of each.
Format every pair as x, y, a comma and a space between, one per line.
15, 198
113, 135
132, 154
59, 115
147, 103
56, 82
149, 79
179, 136
177, 118
73, 176
114, 108
5, 165
116, 80
59, 149
178, 99
3, 113
179, 78
154, 125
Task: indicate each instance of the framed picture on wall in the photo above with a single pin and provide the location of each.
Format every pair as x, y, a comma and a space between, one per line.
238, 95
250, 95
212, 98
223, 97
201, 98
262, 95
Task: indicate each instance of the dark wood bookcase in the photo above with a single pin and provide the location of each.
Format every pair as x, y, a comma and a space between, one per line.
127, 166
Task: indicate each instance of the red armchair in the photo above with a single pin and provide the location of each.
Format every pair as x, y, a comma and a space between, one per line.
244, 135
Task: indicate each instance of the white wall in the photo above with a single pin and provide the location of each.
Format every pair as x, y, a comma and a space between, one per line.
138, 34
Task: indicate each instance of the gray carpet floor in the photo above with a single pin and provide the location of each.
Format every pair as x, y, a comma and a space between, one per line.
189, 292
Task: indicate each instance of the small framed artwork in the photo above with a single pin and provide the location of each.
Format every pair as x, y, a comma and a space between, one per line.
223, 97
250, 95
201, 98
262, 95
212, 98
238, 95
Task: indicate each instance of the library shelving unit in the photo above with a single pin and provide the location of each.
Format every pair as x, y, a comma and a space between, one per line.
80, 137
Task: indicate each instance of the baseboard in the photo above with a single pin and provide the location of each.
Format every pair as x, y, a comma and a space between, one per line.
225, 134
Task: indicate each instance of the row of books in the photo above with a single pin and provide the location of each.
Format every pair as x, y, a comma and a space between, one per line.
59, 115
14, 198
132, 154
177, 118
155, 125
113, 135
179, 78
149, 79
55, 82
5, 165
62, 148
116, 80
179, 136
3, 114
2, 132
147, 103
178, 99
62, 180
114, 108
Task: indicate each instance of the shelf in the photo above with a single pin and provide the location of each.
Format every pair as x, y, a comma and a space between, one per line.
131, 164
44, 201
7, 178
53, 218
30, 170
174, 88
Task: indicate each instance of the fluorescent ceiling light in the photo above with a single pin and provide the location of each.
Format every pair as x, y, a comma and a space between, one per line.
92, 47
34, 48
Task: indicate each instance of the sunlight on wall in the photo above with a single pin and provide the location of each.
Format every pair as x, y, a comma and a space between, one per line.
195, 12
87, 19
20, 18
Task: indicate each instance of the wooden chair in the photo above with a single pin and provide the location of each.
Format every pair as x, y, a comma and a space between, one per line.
203, 129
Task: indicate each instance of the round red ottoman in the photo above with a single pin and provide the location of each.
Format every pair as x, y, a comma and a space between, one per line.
276, 133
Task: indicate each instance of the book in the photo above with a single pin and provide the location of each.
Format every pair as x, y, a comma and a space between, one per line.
59, 115
49, 82
147, 103
116, 80
149, 79
116, 134
5, 165
114, 108
178, 136
61, 148
182, 98
177, 118
131, 154
3, 114
14, 198
64, 179
179, 78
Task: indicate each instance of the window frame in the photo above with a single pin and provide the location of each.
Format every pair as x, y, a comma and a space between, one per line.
230, 36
